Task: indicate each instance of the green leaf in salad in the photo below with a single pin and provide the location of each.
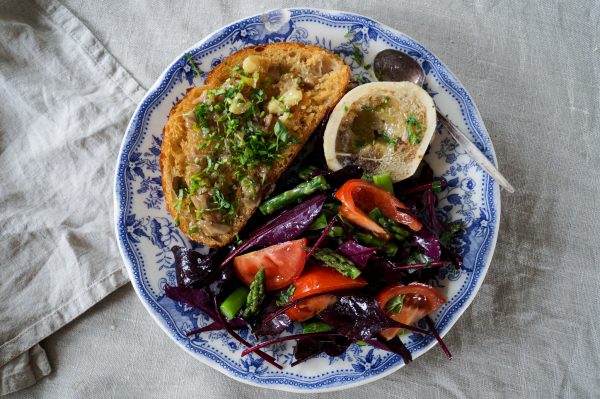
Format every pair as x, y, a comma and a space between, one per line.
452, 231
319, 224
316, 327
418, 258
395, 305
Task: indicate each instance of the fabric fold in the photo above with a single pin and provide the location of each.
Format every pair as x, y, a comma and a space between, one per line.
66, 105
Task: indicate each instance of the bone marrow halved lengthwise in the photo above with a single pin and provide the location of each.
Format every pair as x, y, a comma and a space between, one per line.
226, 143
383, 127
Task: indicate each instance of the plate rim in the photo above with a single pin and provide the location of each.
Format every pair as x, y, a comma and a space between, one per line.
129, 266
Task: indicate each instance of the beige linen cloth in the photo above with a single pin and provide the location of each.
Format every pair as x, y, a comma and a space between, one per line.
532, 67
65, 103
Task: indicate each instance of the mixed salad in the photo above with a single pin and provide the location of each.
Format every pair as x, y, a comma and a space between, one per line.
349, 256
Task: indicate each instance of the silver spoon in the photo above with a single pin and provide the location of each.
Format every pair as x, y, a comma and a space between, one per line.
395, 66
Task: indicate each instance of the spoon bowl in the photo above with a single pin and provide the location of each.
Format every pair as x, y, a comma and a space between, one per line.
395, 66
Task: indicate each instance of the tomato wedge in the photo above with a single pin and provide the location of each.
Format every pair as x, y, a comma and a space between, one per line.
309, 308
419, 301
283, 263
315, 281
359, 196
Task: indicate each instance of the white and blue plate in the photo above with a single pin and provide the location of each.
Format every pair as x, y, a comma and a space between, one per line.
146, 231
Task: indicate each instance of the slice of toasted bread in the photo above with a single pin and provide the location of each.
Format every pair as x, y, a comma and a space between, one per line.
299, 84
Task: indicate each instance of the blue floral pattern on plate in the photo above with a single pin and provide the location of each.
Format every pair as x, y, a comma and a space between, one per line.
146, 231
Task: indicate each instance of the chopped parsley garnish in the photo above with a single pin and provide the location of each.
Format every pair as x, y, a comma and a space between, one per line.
349, 35
196, 182
219, 198
378, 107
202, 111
179, 199
192, 228
197, 71
236, 143
358, 57
258, 95
391, 142
414, 128
280, 132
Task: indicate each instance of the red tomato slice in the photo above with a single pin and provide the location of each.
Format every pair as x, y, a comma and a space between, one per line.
309, 308
283, 263
359, 196
315, 281
419, 301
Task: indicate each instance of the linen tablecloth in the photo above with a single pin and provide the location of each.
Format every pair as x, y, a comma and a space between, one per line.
65, 102
533, 69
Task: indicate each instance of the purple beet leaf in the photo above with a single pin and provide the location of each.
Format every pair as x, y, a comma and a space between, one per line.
310, 347
359, 254
284, 227
383, 271
429, 242
196, 298
394, 345
192, 268
356, 317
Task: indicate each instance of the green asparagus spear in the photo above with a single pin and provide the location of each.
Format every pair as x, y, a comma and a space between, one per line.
256, 294
397, 231
234, 302
337, 261
286, 295
364, 238
294, 196
368, 239
384, 181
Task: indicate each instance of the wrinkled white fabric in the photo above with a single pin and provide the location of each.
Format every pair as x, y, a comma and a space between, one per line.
533, 67
64, 106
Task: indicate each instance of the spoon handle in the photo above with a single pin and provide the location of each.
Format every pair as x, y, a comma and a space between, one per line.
474, 152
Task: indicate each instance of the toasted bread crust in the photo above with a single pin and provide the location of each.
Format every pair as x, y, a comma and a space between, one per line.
329, 76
